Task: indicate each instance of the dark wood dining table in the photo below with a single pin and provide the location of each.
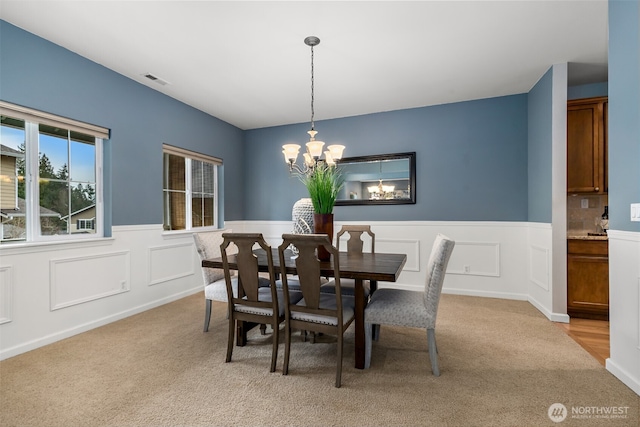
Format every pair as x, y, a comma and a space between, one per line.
383, 267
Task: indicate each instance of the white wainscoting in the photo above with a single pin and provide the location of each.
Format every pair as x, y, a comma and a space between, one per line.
171, 262
475, 258
6, 300
539, 261
624, 307
49, 292
70, 284
495, 253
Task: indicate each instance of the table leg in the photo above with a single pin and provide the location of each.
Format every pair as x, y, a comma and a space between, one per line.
241, 333
359, 321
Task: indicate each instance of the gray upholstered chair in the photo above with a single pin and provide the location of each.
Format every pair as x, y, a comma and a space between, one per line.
208, 246
355, 245
215, 289
317, 312
252, 301
411, 308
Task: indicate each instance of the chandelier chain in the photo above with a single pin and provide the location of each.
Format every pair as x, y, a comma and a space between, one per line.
312, 94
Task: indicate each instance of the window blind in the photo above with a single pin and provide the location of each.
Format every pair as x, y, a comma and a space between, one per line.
31, 115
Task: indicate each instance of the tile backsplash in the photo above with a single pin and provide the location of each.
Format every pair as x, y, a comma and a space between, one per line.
583, 220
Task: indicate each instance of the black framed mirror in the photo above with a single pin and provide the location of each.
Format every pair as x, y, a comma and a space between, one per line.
383, 179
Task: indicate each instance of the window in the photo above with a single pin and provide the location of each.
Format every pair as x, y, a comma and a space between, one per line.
189, 186
86, 224
50, 177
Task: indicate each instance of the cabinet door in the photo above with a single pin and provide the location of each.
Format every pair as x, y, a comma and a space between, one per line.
588, 286
585, 147
605, 149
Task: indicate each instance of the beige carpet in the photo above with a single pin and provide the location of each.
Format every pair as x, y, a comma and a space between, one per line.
502, 363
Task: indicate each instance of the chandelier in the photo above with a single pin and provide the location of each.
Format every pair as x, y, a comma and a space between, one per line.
380, 191
313, 153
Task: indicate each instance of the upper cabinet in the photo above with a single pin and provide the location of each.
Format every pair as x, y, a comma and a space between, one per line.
587, 146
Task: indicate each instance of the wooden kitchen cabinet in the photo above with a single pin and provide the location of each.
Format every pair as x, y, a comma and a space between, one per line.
587, 145
588, 279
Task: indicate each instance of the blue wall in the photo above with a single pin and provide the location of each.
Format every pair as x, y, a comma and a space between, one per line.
540, 102
624, 113
588, 91
471, 161
39, 74
484, 160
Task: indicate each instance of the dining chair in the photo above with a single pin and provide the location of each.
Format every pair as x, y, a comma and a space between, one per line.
251, 300
355, 245
317, 312
401, 307
215, 289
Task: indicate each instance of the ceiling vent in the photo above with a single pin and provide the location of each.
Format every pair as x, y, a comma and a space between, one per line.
156, 79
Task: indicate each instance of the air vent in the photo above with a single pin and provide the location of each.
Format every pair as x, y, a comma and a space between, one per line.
156, 79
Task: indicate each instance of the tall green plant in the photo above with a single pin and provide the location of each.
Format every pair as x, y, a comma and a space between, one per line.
323, 184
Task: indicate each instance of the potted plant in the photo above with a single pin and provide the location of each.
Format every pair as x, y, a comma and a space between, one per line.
323, 184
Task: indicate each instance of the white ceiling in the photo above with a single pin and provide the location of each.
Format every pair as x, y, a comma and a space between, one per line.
246, 62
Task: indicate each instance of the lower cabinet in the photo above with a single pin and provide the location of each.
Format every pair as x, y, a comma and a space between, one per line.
588, 279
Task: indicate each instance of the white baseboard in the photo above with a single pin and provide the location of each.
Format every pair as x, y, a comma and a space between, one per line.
622, 375
554, 317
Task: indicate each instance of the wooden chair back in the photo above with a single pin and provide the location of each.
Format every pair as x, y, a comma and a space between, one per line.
309, 272
355, 243
248, 277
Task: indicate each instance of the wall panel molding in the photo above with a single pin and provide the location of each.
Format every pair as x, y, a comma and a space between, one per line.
411, 247
80, 279
170, 262
6, 294
475, 259
539, 266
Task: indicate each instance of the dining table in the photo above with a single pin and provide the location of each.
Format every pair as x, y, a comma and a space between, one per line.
376, 267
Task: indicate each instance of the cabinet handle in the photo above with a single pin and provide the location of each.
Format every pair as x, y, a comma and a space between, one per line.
596, 189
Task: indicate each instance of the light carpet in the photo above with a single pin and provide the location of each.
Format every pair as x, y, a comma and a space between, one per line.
502, 364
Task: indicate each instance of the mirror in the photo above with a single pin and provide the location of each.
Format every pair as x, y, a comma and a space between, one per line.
385, 179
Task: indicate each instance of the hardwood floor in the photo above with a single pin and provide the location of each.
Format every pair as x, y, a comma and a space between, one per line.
592, 335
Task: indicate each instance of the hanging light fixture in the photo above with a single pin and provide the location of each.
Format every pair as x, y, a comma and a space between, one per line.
381, 191
314, 147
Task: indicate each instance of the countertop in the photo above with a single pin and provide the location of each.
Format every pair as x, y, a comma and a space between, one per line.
585, 236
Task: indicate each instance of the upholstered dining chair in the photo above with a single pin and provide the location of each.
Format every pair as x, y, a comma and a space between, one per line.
355, 245
252, 301
401, 307
317, 312
215, 289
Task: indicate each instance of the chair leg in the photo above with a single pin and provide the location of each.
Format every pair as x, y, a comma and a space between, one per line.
339, 368
376, 332
367, 344
207, 314
433, 351
287, 349
230, 339
263, 329
274, 352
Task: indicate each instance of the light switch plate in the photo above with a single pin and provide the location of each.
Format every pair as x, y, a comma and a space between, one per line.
635, 211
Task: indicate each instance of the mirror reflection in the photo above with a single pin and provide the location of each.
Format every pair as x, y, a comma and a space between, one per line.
379, 179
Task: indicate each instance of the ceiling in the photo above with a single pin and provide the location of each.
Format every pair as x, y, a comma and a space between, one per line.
246, 62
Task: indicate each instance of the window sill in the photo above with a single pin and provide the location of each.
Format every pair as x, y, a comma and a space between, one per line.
31, 247
183, 233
